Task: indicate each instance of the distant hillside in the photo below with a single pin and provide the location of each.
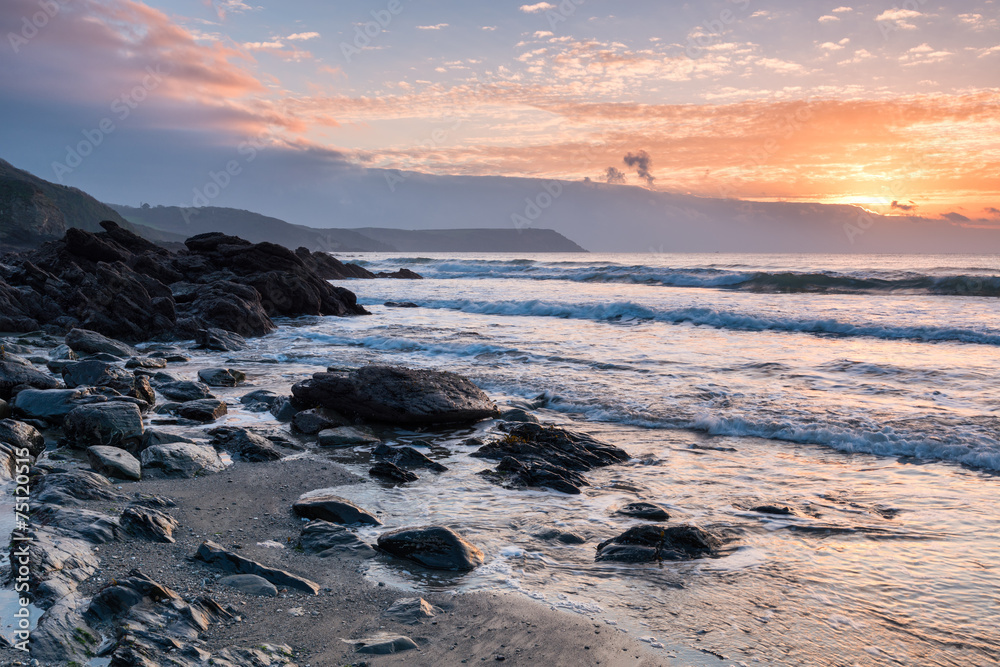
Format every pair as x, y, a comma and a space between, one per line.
33, 210
472, 240
256, 228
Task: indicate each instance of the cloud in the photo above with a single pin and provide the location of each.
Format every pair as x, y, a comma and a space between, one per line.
613, 176
828, 18
859, 56
302, 36
990, 51
830, 46
955, 217
261, 46
642, 163
437, 26
842, 10
897, 206
541, 34
489, 28
923, 54
539, 7
897, 18
992, 209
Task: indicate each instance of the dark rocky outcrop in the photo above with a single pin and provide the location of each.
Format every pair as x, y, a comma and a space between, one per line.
396, 395
203, 410
346, 436
111, 424
221, 377
244, 444
15, 375
533, 455
434, 547
184, 390
406, 457
391, 472
403, 274
315, 420
148, 523
114, 283
91, 342
21, 436
219, 339
327, 539
643, 510
328, 507
650, 544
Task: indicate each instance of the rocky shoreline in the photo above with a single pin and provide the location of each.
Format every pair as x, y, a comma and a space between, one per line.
229, 547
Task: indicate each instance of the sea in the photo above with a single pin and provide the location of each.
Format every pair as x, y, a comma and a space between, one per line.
860, 391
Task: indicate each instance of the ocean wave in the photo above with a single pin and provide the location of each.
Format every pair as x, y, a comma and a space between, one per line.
628, 311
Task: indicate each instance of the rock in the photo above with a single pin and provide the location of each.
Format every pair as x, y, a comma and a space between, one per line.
512, 474
184, 390
403, 274
5, 410
82, 524
396, 395
91, 342
21, 436
328, 507
566, 449
434, 547
221, 377
650, 544
406, 457
647, 511
259, 397
145, 362
250, 584
214, 554
91, 373
780, 510
315, 420
518, 415
203, 410
244, 444
327, 539
53, 405
219, 339
114, 462
411, 611
400, 304
72, 488
148, 523
181, 459
151, 438
392, 472
14, 375
112, 424
346, 436
383, 644
64, 352
284, 409
563, 536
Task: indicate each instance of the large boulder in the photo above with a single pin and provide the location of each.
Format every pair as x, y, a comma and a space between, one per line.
114, 462
53, 405
653, 543
181, 459
219, 339
346, 436
91, 342
184, 390
93, 373
644, 510
396, 395
434, 547
244, 444
21, 436
404, 457
112, 424
15, 374
328, 507
214, 554
327, 539
221, 377
203, 410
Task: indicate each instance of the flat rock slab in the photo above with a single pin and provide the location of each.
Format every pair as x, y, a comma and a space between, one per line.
329, 539
383, 644
406, 457
204, 410
221, 377
316, 420
651, 544
250, 584
181, 459
434, 547
91, 342
243, 444
110, 424
346, 436
114, 462
643, 510
52, 405
184, 390
328, 507
214, 554
396, 395
391, 472
13, 374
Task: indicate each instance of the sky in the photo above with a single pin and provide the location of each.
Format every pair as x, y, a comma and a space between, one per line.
892, 107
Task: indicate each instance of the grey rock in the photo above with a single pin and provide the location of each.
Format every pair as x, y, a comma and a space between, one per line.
346, 436
152, 437
64, 352
91, 342
203, 410
411, 611
92, 373
396, 395
650, 544
219, 339
391, 472
259, 397
22, 436
244, 444
53, 405
250, 584
184, 390
221, 377
214, 554
112, 424
73, 488
284, 409
82, 524
14, 375
643, 510
181, 459
434, 547
327, 539
149, 524
518, 415
406, 457
5, 409
328, 507
146, 362
114, 462
384, 644
314, 420
563, 536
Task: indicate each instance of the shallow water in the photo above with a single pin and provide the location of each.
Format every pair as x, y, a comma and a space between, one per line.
864, 398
